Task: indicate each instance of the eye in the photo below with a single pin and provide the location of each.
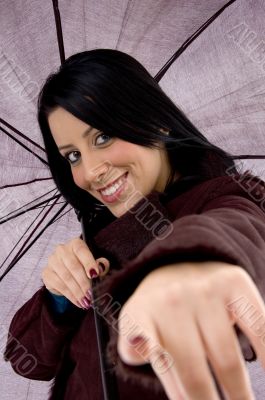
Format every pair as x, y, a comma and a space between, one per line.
72, 156
102, 135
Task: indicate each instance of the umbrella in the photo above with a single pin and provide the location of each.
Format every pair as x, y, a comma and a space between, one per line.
208, 56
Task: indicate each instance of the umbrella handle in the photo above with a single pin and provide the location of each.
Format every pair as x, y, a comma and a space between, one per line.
109, 380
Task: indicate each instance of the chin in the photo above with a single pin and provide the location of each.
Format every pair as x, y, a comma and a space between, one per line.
118, 212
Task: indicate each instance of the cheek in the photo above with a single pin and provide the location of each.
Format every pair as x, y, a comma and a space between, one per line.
77, 177
120, 152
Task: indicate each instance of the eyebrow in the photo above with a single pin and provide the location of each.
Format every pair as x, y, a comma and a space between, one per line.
84, 134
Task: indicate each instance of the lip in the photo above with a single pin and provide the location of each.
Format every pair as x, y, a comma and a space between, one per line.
112, 183
114, 197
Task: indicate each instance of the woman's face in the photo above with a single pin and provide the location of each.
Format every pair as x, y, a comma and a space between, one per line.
98, 160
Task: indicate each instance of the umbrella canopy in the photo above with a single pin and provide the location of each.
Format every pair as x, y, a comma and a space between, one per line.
208, 56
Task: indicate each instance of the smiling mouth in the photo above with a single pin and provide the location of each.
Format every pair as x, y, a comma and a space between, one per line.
112, 192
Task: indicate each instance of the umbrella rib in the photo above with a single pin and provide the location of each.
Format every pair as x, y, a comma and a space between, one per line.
37, 198
24, 146
59, 29
46, 205
249, 156
57, 196
25, 183
187, 42
21, 253
21, 238
60, 216
184, 46
21, 134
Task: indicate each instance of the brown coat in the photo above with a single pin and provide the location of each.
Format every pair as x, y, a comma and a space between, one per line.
219, 219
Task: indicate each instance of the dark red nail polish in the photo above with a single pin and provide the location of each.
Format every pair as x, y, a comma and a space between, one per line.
136, 340
101, 267
86, 303
93, 273
88, 299
80, 305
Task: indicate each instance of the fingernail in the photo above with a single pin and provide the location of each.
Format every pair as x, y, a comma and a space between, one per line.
80, 305
101, 267
135, 340
89, 294
86, 303
93, 273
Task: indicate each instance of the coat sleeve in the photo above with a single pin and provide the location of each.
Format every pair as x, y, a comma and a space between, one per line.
229, 228
38, 336
60, 304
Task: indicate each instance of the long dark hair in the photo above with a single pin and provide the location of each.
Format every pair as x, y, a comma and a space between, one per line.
114, 93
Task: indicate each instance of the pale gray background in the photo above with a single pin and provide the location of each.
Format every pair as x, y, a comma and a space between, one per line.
219, 82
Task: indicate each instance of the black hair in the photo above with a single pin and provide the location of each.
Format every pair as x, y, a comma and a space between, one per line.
114, 93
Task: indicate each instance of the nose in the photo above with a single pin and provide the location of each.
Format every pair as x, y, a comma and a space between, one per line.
96, 173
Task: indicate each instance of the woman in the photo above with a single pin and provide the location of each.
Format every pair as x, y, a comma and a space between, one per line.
174, 231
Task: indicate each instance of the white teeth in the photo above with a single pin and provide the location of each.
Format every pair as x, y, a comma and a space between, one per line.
113, 188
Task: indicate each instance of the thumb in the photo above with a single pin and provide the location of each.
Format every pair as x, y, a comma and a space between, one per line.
103, 265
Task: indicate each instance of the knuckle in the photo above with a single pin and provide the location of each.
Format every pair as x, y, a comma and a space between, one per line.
66, 275
173, 296
228, 364
242, 274
73, 262
78, 244
206, 288
194, 380
237, 274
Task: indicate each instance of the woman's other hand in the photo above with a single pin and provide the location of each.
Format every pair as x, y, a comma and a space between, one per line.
70, 269
183, 317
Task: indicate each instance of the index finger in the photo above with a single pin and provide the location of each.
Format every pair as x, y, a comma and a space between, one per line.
86, 258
